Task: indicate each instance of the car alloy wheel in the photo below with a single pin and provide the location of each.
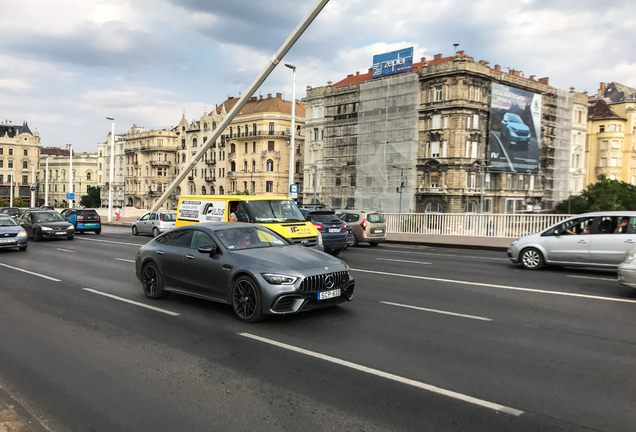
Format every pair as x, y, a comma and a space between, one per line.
531, 259
135, 231
152, 282
155, 232
246, 300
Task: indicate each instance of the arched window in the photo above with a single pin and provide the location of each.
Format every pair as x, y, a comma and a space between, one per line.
233, 166
253, 166
245, 184
221, 190
471, 207
211, 190
297, 167
183, 128
233, 148
270, 165
88, 176
205, 127
194, 142
202, 190
433, 207
245, 166
178, 190
213, 125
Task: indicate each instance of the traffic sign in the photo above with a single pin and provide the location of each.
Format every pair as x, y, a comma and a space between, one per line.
34, 186
293, 190
70, 196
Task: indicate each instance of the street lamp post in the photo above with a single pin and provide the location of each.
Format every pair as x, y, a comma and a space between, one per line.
316, 175
293, 127
111, 182
399, 189
70, 176
46, 183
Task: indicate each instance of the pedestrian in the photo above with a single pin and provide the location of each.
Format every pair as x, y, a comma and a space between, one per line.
117, 213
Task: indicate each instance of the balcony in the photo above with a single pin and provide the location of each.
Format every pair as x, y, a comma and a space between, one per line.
191, 178
210, 162
210, 179
231, 155
232, 174
273, 153
160, 163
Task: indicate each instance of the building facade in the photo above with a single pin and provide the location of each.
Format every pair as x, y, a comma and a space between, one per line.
579, 136
54, 184
611, 134
119, 170
19, 159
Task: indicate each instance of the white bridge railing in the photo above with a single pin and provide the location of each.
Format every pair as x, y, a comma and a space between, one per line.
469, 224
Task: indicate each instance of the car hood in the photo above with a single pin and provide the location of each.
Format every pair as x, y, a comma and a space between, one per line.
10, 229
298, 258
54, 225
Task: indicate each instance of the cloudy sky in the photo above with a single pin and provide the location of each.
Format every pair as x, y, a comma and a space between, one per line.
67, 64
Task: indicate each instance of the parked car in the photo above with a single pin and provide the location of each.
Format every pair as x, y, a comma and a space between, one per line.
45, 207
154, 223
83, 219
331, 227
252, 268
351, 237
600, 239
514, 130
14, 212
11, 234
627, 271
41, 224
368, 226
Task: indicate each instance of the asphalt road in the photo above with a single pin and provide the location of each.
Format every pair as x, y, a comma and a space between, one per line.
435, 339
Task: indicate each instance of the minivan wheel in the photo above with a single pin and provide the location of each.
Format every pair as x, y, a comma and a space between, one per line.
374, 243
355, 241
531, 259
246, 300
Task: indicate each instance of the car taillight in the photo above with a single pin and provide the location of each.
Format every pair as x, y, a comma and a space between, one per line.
344, 227
161, 218
80, 217
318, 226
364, 224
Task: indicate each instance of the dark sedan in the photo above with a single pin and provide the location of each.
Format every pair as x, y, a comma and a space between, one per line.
331, 227
45, 224
14, 212
248, 266
11, 234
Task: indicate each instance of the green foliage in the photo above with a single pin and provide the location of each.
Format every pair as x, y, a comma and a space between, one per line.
604, 195
245, 192
92, 198
4, 203
18, 202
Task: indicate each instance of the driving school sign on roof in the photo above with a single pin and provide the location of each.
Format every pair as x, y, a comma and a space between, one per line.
393, 62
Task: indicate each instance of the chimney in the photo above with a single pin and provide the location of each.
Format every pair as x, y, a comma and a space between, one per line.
261, 97
516, 73
545, 81
350, 75
532, 77
424, 62
437, 57
269, 95
357, 73
497, 68
370, 70
601, 90
279, 95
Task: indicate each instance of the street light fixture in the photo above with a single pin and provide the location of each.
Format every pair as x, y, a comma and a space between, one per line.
111, 184
293, 127
399, 189
70, 176
316, 175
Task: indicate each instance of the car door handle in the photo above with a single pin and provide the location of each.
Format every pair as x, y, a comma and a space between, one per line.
188, 256
582, 241
159, 252
227, 267
629, 241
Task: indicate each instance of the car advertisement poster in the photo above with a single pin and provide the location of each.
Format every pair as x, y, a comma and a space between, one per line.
393, 62
202, 211
514, 130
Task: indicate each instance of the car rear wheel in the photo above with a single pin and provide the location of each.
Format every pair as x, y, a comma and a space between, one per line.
22, 248
335, 252
37, 235
152, 282
531, 259
155, 232
135, 231
98, 231
355, 241
246, 300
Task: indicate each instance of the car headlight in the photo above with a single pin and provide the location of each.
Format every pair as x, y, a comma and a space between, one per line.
46, 229
514, 241
70, 227
630, 257
22, 234
276, 279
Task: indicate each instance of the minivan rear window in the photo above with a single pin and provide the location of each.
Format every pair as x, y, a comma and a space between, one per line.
375, 218
325, 218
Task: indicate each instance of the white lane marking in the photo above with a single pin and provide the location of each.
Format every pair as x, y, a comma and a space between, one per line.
596, 278
127, 260
397, 378
108, 241
65, 250
437, 311
132, 302
404, 261
448, 255
31, 273
500, 286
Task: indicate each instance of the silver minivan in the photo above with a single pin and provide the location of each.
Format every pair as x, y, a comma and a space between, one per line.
155, 223
601, 239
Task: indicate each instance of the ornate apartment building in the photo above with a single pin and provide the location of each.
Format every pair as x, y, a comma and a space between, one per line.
579, 135
611, 134
119, 170
19, 157
418, 141
54, 184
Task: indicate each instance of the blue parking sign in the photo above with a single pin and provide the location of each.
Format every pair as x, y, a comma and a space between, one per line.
70, 196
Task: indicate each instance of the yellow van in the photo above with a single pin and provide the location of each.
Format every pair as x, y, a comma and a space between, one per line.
278, 213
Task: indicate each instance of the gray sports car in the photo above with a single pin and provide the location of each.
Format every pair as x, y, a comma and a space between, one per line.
248, 266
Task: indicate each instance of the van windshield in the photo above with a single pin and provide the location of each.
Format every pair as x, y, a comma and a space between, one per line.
273, 211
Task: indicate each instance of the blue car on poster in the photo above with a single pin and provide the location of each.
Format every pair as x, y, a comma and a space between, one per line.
83, 220
514, 130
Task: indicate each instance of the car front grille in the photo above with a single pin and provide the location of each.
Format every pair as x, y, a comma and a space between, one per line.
318, 282
5, 235
306, 241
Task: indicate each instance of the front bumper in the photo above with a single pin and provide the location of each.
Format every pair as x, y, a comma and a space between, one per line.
12, 242
626, 276
57, 233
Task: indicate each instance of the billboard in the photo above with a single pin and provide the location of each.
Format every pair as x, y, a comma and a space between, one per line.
393, 62
514, 130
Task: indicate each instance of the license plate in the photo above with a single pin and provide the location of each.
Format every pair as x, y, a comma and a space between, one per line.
61, 233
89, 224
328, 294
377, 231
334, 229
7, 240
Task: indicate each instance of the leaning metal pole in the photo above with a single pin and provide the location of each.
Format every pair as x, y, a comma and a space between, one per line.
275, 60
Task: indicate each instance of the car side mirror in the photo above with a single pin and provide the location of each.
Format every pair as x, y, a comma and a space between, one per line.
210, 250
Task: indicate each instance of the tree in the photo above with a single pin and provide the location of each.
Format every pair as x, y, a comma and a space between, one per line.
604, 195
4, 202
245, 192
92, 198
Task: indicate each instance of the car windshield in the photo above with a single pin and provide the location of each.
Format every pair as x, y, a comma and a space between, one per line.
168, 217
7, 221
250, 237
515, 119
47, 217
273, 211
